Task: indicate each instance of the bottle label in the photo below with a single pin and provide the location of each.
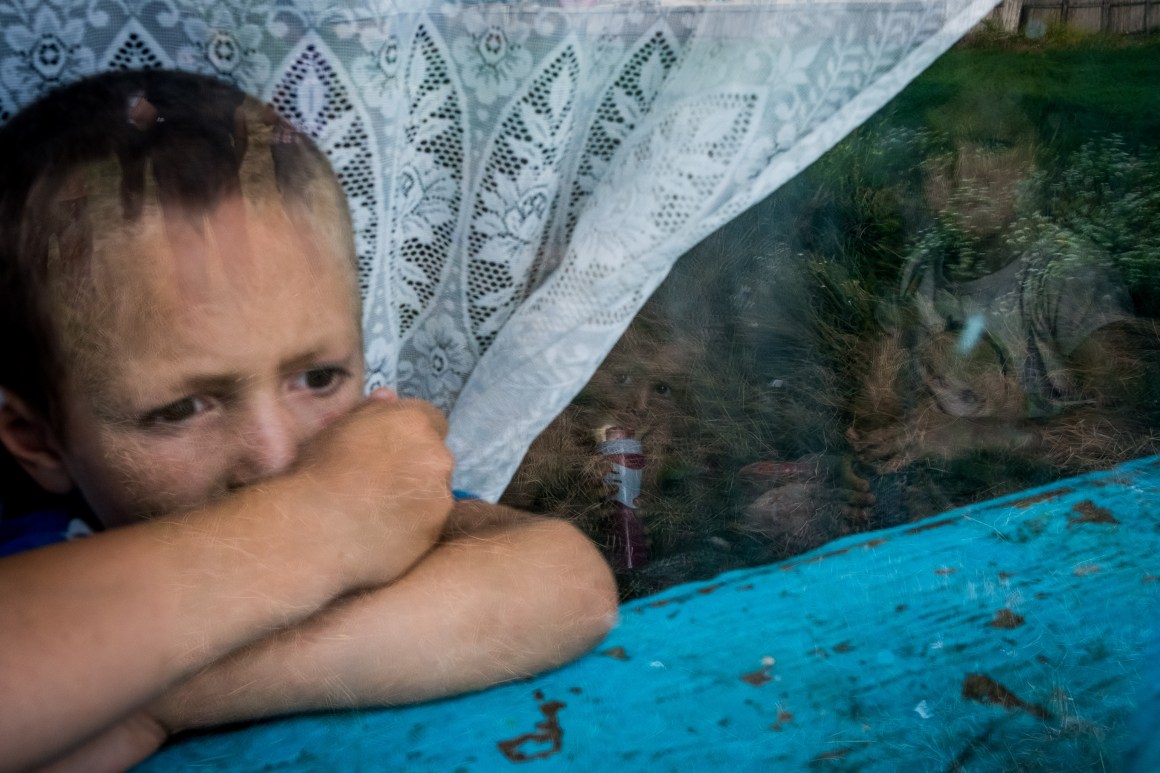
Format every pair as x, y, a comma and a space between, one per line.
625, 465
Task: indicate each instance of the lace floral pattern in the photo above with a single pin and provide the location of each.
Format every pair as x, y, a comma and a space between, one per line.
441, 363
491, 55
223, 43
46, 48
521, 175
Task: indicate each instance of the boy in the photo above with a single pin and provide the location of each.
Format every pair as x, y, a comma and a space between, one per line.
182, 350
1016, 357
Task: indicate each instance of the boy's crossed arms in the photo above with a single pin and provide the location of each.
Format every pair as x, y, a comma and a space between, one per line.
259, 604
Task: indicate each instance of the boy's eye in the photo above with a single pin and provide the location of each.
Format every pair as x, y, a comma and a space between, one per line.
321, 379
176, 412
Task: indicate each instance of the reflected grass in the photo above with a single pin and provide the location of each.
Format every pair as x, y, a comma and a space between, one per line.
1095, 85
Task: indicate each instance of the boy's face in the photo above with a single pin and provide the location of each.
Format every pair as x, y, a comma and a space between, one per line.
203, 358
979, 185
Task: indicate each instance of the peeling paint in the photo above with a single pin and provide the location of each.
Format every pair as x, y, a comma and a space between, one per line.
1037, 498
984, 689
1090, 512
1005, 618
616, 653
932, 525
547, 732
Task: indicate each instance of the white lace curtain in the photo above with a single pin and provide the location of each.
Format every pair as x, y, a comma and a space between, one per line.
521, 175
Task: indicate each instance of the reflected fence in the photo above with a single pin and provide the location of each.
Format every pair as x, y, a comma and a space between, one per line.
1107, 16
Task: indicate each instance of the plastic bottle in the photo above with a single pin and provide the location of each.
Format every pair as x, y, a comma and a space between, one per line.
624, 460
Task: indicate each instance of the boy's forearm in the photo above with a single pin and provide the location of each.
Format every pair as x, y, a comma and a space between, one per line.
482, 608
107, 623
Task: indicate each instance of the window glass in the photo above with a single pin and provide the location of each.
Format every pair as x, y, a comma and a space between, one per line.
958, 302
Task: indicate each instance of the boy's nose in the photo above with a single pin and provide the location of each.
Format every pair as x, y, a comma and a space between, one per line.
643, 396
267, 445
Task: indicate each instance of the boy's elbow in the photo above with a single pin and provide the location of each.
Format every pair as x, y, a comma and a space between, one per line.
592, 602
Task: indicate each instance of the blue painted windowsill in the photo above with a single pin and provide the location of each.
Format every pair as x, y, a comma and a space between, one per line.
1011, 633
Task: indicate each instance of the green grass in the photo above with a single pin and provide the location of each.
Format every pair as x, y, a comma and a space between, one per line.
1096, 86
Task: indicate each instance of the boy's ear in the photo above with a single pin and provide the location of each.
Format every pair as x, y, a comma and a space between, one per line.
32, 443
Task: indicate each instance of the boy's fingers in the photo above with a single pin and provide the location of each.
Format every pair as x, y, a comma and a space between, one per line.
387, 400
433, 415
851, 479
856, 515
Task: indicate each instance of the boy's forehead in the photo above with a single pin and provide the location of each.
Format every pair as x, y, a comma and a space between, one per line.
241, 246
245, 264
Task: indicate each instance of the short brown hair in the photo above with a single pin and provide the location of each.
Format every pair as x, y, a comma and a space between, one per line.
186, 141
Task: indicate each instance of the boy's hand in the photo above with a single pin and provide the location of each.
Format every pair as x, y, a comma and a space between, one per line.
379, 479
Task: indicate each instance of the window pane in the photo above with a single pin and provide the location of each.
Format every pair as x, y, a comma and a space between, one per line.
958, 302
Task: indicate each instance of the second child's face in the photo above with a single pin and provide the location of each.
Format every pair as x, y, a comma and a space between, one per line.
204, 360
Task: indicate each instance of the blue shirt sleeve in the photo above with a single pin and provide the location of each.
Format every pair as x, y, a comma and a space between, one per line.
39, 529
